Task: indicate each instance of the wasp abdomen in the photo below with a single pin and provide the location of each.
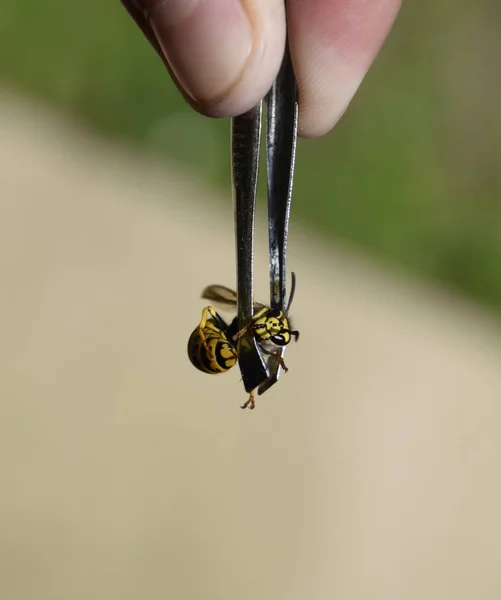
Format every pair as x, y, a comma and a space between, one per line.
209, 349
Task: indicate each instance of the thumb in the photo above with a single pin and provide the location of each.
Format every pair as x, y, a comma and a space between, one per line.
223, 54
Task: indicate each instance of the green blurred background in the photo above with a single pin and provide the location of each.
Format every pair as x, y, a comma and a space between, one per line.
410, 174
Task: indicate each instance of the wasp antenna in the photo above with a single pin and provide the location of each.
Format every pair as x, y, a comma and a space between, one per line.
291, 295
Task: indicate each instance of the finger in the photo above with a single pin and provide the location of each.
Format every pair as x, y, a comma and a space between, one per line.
223, 54
333, 43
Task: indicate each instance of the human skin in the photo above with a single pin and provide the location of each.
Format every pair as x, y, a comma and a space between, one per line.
224, 54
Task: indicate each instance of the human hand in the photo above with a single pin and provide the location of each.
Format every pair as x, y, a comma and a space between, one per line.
224, 54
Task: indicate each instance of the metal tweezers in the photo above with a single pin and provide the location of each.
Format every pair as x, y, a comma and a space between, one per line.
281, 137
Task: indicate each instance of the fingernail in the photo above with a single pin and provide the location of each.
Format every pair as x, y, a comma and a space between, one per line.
206, 42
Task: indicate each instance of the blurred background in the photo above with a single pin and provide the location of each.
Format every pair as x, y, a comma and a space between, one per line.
423, 132
371, 469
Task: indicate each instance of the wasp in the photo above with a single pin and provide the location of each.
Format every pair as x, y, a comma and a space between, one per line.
212, 346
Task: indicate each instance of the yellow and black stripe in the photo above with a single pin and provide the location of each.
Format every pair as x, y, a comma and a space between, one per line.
209, 349
272, 325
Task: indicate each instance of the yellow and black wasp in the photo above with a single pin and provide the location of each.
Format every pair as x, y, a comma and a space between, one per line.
212, 345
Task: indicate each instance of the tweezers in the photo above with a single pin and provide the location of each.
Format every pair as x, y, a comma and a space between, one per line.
281, 137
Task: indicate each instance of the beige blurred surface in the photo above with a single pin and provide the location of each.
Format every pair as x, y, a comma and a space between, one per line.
371, 471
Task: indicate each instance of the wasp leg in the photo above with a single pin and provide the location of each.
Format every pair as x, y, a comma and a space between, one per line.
250, 404
240, 333
206, 314
243, 331
280, 361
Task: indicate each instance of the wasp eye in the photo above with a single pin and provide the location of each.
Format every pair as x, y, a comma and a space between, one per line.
280, 339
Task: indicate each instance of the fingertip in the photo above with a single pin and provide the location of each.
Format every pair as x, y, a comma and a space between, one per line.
320, 107
333, 44
261, 68
224, 54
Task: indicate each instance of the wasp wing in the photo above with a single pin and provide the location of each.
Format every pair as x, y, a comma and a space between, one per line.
225, 297
220, 295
